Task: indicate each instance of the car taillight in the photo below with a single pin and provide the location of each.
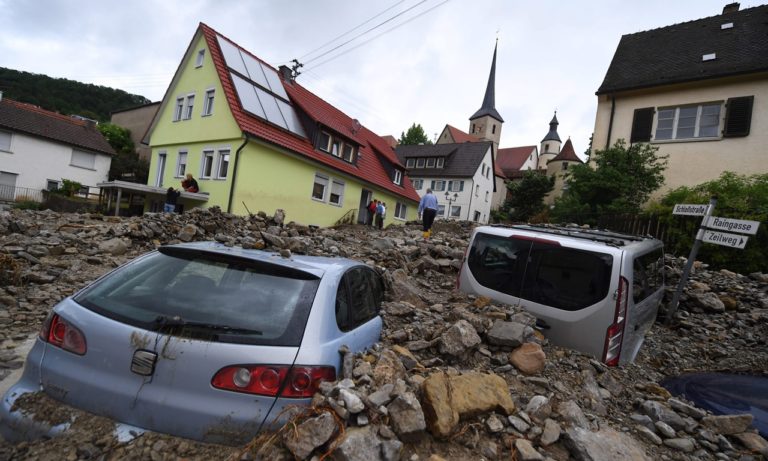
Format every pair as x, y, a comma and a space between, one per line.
614, 335
60, 333
297, 382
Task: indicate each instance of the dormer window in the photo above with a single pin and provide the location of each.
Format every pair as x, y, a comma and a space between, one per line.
398, 177
324, 142
440, 162
410, 163
336, 147
430, 163
420, 163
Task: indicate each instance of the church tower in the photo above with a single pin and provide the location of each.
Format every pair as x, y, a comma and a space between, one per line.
550, 145
486, 122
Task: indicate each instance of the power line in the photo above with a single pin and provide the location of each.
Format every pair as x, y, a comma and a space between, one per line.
351, 30
375, 37
363, 33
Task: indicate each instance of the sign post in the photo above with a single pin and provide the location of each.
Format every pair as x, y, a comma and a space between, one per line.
694, 251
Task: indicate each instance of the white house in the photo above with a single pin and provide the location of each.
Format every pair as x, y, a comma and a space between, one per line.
461, 175
39, 148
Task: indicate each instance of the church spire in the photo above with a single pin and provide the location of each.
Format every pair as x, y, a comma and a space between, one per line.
552, 135
489, 101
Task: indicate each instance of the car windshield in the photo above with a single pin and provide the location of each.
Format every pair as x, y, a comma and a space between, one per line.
208, 296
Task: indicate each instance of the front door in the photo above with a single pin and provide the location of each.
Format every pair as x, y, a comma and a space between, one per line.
365, 199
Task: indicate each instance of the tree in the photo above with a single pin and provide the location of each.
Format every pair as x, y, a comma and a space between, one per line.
527, 195
622, 180
414, 135
127, 162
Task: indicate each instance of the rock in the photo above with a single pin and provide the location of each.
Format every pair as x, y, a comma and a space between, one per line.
686, 444
460, 338
115, 247
359, 444
754, 442
390, 450
729, 302
605, 444
648, 435
494, 424
572, 414
352, 402
526, 452
708, 301
510, 334
273, 240
665, 429
382, 396
689, 410
728, 424
402, 289
309, 435
538, 408
187, 233
382, 244
528, 358
406, 416
447, 399
551, 433
279, 217
660, 412
388, 369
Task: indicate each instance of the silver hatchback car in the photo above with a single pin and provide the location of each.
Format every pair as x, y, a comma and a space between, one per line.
200, 340
594, 291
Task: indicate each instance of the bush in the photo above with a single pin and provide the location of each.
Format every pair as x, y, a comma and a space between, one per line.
26, 205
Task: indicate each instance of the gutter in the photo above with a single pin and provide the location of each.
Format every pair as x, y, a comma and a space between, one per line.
610, 123
234, 171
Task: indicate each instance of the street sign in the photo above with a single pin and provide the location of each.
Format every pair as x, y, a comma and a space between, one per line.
733, 225
690, 209
725, 239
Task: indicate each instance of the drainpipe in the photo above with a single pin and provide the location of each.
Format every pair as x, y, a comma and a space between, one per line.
610, 123
234, 172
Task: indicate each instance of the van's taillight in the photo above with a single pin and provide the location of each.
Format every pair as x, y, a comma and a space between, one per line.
614, 335
302, 381
60, 333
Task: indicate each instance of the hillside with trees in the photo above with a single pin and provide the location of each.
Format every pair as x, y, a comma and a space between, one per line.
66, 96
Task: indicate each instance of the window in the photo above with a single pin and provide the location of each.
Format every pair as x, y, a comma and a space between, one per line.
455, 186
546, 147
337, 193
440, 162
179, 109
430, 163
410, 163
486, 195
190, 107
420, 163
647, 276
336, 148
473, 128
417, 183
493, 131
83, 159
565, 166
181, 166
642, 125
200, 56
223, 166
160, 168
318, 189
208, 103
324, 141
5, 141
400, 210
482, 169
358, 298
348, 153
477, 190
398, 177
440, 210
687, 122
83, 191
438, 185
477, 215
206, 169
455, 211
52, 184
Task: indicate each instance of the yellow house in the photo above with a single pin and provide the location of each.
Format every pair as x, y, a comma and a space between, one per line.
698, 90
256, 140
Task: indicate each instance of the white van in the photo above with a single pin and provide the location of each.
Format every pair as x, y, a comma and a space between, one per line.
594, 291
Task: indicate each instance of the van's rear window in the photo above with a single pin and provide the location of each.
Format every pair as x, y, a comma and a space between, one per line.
552, 275
234, 299
647, 274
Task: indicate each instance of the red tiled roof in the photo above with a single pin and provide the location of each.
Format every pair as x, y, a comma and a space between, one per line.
391, 140
373, 149
567, 154
511, 159
460, 136
32, 120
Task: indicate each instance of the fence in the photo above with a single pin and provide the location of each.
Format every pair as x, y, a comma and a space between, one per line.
9, 194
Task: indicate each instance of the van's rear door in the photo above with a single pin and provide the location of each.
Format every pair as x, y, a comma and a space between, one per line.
646, 282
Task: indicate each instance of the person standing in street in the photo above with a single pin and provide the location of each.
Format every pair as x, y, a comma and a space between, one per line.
427, 212
170, 200
382, 212
371, 212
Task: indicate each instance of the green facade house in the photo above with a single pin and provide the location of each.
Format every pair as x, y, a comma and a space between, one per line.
256, 140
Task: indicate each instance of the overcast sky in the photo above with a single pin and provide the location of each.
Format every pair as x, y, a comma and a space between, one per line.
428, 65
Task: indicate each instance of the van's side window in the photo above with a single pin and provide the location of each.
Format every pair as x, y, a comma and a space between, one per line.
564, 278
647, 274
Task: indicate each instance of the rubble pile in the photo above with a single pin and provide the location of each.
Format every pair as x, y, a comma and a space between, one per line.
454, 376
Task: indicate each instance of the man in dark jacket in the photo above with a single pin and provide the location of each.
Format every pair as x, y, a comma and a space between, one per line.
170, 200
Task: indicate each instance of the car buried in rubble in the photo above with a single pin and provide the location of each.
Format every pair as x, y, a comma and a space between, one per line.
199, 340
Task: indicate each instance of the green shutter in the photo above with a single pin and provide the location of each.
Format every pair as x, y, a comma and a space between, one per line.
738, 116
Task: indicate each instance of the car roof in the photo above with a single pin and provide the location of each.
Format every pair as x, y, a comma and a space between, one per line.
316, 265
599, 236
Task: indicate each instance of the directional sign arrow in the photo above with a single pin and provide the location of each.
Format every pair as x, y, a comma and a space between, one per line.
725, 239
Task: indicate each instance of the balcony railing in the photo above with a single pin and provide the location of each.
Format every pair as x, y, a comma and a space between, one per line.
9, 194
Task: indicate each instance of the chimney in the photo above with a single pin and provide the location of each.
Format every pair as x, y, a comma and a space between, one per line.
731, 8
285, 72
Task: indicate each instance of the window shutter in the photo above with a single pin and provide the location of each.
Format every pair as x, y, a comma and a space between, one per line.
738, 116
461, 186
642, 123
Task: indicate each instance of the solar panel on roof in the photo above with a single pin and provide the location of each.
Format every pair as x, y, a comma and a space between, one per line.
269, 104
232, 56
294, 124
274, 82
255, 70
247, 95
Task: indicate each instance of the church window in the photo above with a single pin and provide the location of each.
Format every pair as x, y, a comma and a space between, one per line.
565, 165
493, 129
473, 128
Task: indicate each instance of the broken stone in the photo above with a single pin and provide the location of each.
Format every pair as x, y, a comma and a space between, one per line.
528, 358
460, 338
603, 444
510, 334
406, 416
309, 435
686, 444
551, 433
728, 424
526, 452
359, 444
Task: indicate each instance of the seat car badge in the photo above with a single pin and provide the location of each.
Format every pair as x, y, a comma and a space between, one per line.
143, 362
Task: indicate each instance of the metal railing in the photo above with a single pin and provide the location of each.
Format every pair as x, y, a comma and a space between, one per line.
348, 218
10, 194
